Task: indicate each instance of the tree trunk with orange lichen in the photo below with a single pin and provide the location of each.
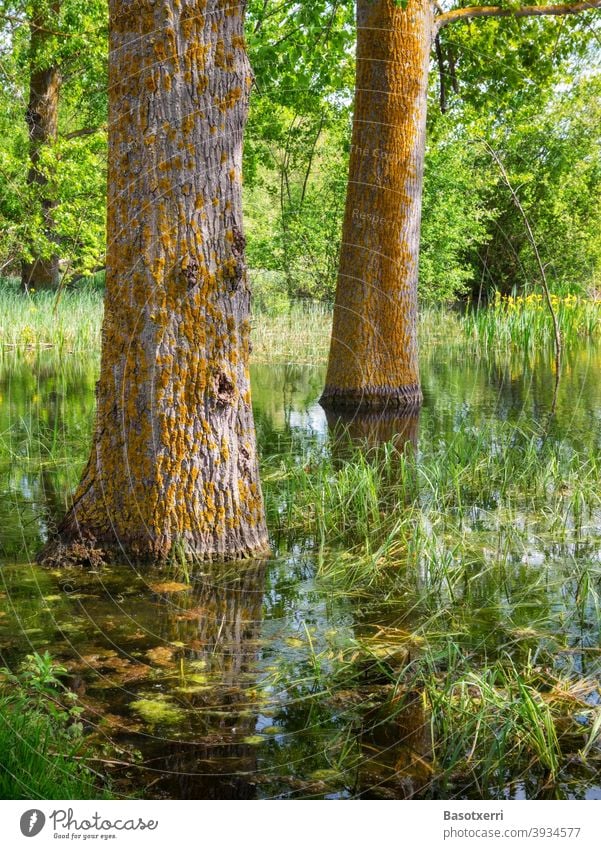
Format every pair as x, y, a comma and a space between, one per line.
373, 356
42, 272
173, 469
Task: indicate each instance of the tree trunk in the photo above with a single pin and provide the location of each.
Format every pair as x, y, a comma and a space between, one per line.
373, 356
42, 122
173, 470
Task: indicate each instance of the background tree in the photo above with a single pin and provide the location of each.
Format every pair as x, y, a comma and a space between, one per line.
42, 271
173, 469
374, 357
53, 149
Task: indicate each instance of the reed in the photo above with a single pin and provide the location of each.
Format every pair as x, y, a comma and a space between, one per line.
300, 332
39, 320
523, 322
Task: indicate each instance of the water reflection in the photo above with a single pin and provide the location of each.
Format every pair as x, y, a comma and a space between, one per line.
169, 669
215, 682
219, 629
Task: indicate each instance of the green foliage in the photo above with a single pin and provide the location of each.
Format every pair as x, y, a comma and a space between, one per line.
447, 593
454, 219
553, 155
294, 217
295, 158
41, 735
527, 86
530, 88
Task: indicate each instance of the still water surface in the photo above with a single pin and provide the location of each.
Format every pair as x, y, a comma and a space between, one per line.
202, 678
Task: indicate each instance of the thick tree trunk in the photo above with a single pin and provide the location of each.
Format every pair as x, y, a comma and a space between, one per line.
373, 356
42, 122
173, 469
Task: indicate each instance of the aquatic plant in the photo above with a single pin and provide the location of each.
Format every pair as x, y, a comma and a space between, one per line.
523, 322
41, 736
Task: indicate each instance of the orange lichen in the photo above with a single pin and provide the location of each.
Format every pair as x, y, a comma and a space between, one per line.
174, 456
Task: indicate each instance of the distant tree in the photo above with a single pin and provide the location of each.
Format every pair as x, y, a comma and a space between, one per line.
42, 271
374, 354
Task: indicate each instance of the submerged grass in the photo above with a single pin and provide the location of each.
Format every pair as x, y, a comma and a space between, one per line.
498, 725
485, 473
476, 561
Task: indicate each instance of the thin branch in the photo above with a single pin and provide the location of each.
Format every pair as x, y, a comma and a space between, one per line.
311, 157
452, 69
520, 12
441, 74
541, 267
87, 131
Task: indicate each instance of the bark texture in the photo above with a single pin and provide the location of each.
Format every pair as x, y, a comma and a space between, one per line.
373, 356
42, 123
173, 469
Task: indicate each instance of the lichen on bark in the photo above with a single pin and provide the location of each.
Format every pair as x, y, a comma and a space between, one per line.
174, 461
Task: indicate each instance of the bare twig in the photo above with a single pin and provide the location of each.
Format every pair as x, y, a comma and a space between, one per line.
541, 267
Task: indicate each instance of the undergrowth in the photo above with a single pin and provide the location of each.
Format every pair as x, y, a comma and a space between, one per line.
41, 736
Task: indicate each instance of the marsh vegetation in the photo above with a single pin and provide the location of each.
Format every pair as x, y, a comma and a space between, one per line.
428, 625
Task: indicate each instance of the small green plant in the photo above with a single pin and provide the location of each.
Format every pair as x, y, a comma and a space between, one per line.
41, 689
41, 735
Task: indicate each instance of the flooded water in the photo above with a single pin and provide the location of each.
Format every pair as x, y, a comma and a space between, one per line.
201, 684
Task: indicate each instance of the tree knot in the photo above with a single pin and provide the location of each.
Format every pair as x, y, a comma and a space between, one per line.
238, 243
224, 390
190, 274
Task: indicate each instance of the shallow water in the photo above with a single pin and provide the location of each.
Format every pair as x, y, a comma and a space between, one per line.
205, 679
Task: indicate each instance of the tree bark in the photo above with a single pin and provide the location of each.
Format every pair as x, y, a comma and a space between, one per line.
42, 272
373, 359
173, 469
